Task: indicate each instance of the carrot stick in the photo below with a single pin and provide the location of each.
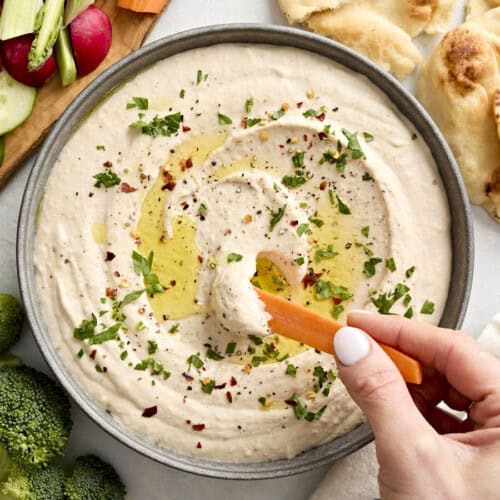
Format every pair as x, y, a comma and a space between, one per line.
150, 6
296, 322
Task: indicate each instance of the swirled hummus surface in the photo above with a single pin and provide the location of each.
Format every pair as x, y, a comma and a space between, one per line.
213, 172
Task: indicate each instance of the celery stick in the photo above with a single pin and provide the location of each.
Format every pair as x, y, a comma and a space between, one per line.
47, 26
18, 18
75, 7
65, 59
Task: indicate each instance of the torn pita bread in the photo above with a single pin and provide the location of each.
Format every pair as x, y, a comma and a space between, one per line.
479, 7
382, 30
370, 34
460, 87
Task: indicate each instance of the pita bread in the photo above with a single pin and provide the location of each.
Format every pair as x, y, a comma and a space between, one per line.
379, 29
370, 34
479, 7
460, 87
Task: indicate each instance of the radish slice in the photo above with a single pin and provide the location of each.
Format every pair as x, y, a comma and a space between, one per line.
91, 35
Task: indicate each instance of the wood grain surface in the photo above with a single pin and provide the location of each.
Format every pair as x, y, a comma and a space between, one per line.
129, 31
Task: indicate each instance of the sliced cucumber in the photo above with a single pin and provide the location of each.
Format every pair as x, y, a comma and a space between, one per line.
16, 102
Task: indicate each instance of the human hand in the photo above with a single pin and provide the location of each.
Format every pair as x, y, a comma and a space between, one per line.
423, 451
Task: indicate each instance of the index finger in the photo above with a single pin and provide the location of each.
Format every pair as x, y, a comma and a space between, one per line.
468, 368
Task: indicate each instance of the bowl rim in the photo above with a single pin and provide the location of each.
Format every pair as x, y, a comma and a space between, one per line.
97, 90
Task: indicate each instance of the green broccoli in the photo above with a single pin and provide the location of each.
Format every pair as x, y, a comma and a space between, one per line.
11, 321
93, 479
26, 482
35, 418
5, 464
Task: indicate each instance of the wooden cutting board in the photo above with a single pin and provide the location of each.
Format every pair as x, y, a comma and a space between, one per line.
129, 31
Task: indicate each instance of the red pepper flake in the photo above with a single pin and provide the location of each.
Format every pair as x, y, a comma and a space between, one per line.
111, 292
305, 137
109, 256
282, 146
127, 188
322, 136
299, 104
244, 123
170, 185
92, 354
336, 301
150, 412
198, 445
189, 162
294, 223
187, 376
185, 128
117, 274
291, 402
233, 381
321, 117
198, 427
220, 386
311, 279
323, 185
200, 259
107, 164
229, 396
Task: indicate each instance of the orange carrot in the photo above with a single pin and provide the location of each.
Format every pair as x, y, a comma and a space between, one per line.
296, 322
150, 6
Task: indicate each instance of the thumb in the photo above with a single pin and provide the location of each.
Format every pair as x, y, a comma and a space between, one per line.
376, 385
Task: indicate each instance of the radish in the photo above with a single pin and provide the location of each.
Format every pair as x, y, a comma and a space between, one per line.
15, 59
91, 39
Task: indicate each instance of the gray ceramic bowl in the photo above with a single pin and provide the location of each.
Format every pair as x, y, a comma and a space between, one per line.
141, 59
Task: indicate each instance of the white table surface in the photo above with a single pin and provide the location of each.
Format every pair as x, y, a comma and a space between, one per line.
145, 479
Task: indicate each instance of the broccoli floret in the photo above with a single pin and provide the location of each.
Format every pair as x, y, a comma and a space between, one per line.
5, 464
93, 479
11, 321
35, 419
26, 482
8, 360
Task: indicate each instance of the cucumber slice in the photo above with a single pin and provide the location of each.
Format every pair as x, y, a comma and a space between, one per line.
16, 102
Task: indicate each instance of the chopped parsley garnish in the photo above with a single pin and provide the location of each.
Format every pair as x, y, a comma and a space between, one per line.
182, 93
276, 115
200, 77
249, 105
390, 264
301, 412
131, 297
174, 328
234, 257
207, 387
276, 216
252, 121
257, 360
291, 370
298, 159
195, 360
203, 209
386, 300
100, 147
230, 348
317, 222
123, 355
343, 208
428, 307
407, 300
256, 340
366, 248
156, 368
107, 179
152, 346
409, 272
223, 119
211, 354
86, 328
368, 137
353, 144
144, 266
80, 353
310, 113
262, 401
300, 261
326, 290
302, 228
337, 311
365, 231
369, 266
165, 126
294, 181
321, 374
325, 254
140, 326
110, 333
409, 313
138, 102
367, 177
335, 158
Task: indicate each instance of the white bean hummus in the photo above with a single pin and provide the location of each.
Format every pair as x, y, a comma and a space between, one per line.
213, 172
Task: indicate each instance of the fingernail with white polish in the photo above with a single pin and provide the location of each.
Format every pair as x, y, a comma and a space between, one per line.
361, 311
351, 345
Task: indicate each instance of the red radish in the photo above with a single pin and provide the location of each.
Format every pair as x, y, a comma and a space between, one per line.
15, 59
91, 39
